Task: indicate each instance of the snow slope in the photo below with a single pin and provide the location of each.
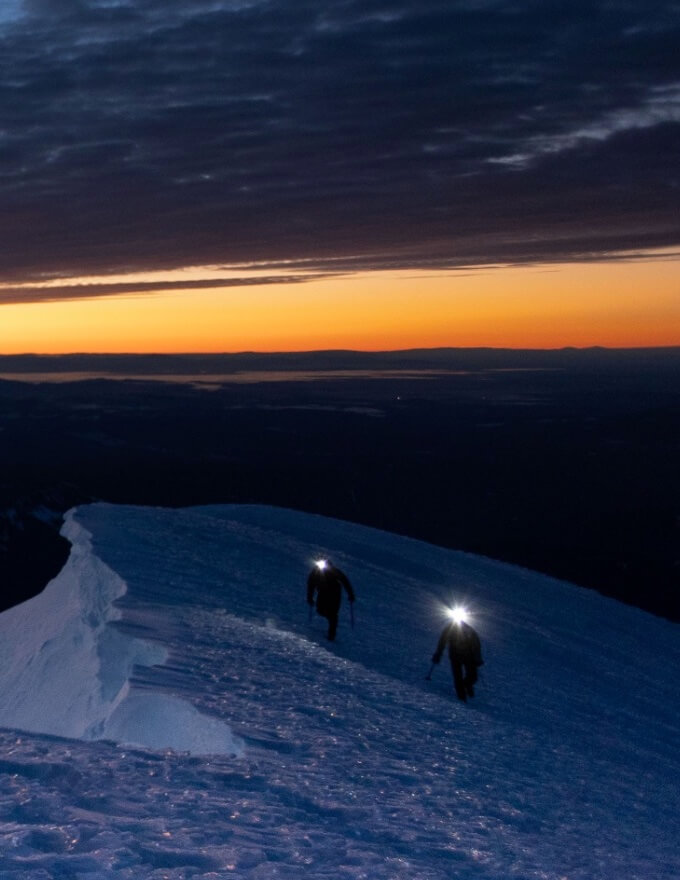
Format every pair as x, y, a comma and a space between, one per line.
169, 711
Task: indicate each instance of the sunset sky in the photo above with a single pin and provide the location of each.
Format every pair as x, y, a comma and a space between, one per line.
227, 175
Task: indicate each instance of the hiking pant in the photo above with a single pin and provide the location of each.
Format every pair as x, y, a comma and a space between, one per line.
332, 625
464, 678
331, 615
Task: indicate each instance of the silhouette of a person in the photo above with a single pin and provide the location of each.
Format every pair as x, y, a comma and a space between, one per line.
324, 588
465, 654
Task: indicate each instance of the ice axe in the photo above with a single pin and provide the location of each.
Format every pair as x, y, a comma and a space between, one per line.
428, 677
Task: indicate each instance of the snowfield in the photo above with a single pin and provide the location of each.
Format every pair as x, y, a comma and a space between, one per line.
169, 710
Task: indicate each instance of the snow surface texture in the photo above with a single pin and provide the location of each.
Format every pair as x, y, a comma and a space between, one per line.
67, 670
262, 751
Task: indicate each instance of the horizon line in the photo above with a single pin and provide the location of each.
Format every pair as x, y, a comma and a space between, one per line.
326, 351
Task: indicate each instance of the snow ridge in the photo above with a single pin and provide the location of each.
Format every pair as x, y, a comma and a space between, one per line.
68, 667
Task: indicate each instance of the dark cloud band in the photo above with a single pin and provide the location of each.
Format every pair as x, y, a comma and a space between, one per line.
144, 135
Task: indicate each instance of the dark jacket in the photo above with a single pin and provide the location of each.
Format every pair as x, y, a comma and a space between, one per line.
327, 585
463, 642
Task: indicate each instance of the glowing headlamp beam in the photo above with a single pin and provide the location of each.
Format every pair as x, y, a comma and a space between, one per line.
458, 614
321, 564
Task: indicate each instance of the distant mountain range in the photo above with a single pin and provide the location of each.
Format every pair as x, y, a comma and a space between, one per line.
426, 358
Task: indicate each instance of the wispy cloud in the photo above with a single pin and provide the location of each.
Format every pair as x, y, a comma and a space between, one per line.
659, 107
31, 293
145, 135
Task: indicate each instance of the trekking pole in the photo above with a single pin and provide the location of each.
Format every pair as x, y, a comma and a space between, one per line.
428, 677
351, 613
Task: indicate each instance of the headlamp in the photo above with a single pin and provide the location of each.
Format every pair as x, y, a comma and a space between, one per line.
458, 614
321, 564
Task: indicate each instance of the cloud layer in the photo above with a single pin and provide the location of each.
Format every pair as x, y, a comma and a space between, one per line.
150, 134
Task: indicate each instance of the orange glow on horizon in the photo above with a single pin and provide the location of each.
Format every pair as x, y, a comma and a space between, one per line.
617, 304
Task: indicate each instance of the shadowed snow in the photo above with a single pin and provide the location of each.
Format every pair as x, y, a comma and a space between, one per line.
67, 669
187, 631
